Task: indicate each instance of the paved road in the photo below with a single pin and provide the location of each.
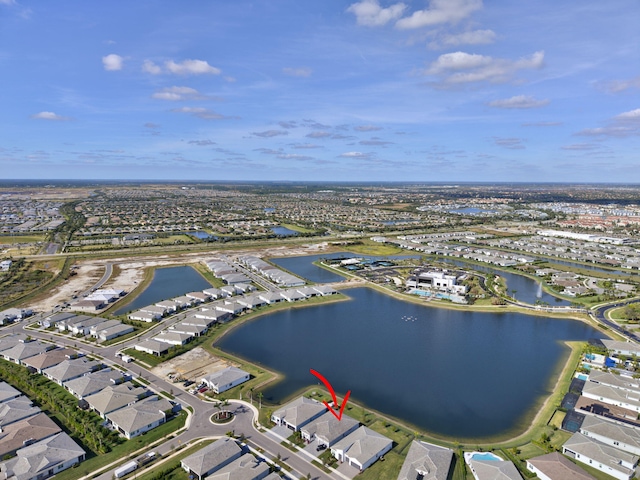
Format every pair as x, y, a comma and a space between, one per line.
199, 425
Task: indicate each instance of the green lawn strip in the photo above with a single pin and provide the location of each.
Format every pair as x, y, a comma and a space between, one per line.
208, 275
369, 247
460, 468
387, 468
556, 420
297, 228
10, 240
520, 464
125, 451
320, 466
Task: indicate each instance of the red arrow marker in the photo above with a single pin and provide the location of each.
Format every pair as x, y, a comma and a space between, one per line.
333, 395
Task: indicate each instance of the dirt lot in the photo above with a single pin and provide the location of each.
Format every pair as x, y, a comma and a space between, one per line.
192, 365
87, 274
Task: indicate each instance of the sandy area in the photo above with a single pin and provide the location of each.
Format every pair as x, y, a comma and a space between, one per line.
87, 274
192, 365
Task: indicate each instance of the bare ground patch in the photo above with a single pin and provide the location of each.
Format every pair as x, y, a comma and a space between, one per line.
192, 365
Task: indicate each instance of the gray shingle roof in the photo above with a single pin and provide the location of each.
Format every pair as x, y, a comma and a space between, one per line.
212, 457
247, 467
432, 461
495, 470
28, 429
140, 414
558, 467
363, 444
600, 452
94, 382
300, 411
114, 397
16, 409
7, 392
42, 456
613, 431
329, 429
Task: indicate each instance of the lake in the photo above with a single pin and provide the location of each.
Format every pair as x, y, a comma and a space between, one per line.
527, 289
463, 375
283, 231
167, 283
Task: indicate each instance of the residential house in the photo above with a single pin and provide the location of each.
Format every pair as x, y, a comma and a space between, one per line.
24, 350
25, 432
199, 297
145, 316
94, 382
618, 436
607, 459
427, 462
169, 305
52, 321
141, 417
49, 359
152, 347
271, 297
43, 459
297, 413
247, 467
327, 429
114, 332
93, 331
225, 379
211, 458
186, 329
88, 305
112, 398
70, 369
8, 392
612, 396
173, 338
154, 310
554, 466
361, 448
493, 469
15, 410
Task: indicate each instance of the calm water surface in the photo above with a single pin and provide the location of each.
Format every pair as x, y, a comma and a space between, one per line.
167, 283
453, 373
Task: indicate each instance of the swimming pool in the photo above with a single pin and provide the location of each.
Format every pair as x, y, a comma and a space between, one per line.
488, 456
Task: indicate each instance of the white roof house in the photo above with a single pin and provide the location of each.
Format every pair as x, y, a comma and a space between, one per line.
226, 379
144, 316
297, 413
327, 429
618, 436
141, 417
211, 458
361, 448
16, 409
7, 392
610, 460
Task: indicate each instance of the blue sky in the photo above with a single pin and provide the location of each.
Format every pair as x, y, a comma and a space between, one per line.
419, 90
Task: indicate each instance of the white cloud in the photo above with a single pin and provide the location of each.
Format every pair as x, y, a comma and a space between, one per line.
632, 116
112, 62
519, 101
186, 67
297, 72
294, 156
355, 155
510, 143
440, 12
270, 133
461, 67
369, 12
201, 112
582, 147
150, 67
626, 124
617, 86
179, 94
49, 116
191, 67
367, 128
474, 37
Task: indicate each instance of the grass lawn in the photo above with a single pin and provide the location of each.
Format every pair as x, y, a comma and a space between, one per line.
368, 247
125, 450
12, 239
171, 470
297, 228
387, 468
